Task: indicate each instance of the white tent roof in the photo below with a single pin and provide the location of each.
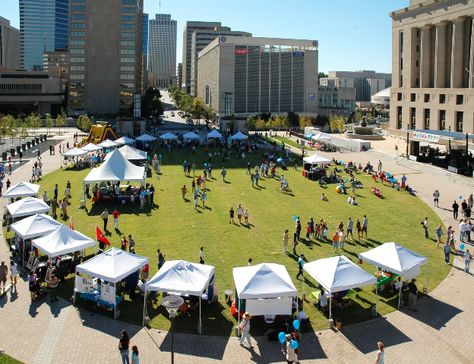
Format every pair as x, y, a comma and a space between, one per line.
34, 226
112, 265
239, 136
116, 168
321, 136
74, 152
27, 206
107, 143
316, 159
130, 153
181, 277
146, 138
214, 134
22, 189
62, 240
168, 136
337, 274
266, 280
90, 147
125, 140
190, 135
393, 258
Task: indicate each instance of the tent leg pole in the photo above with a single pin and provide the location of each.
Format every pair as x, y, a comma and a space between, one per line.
200, 321
330, 305
144, 308
399, 296
238, 318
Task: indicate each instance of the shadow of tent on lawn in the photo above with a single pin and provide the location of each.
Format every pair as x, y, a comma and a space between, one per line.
364, 336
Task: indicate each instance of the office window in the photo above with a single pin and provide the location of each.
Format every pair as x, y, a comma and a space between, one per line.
78, 26
128, 26
78, 16
78, 34
459, 99
427, 97
128, 18
77, 59
399, 96
399, 117
442, 120
427, 119
412, 118
442, 98
77, 51
78, 8
459, 121
412, 97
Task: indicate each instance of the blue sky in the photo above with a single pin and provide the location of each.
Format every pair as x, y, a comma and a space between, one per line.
352, 34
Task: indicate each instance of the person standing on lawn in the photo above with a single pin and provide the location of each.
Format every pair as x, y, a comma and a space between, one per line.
223, 173
365, 225
203, 198
286, 238
116, 215
201, 255
298, 228
335, 242
131, 243
123, 243
246, 216
350, 225
231, 215
184, 191
439, 234
161, 258
105, 217
426, 227
301, 261
240, 212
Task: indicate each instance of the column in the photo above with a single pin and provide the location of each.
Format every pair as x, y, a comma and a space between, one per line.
440, 55
425, 56
457, 54
471, 58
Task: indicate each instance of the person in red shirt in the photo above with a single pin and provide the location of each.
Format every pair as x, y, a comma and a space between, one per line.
116, 215
123, 243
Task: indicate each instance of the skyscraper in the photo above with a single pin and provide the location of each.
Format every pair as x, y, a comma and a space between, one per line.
162, 50
9, 46
106, 55
44, 28
145, 39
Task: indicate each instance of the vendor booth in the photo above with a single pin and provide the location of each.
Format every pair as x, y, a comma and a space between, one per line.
107, 143
74, 152
26, 207
313, 166
191, 137
168, 136
316, 159
106, 271
184, 279
214, 134
130, 153
338, 274
266, 288
90, 147
125, 141
237, 137
22, 189
145, 138
395, 260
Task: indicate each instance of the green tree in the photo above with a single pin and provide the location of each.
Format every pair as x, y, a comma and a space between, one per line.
336, 123
197, 108
49, 122
22, 127
293, 119
84, 122
251, 121
277, 122
35, 120
358, 116
322, 75
305, 121
5, 125
61, 120
260, 124
151, 103
321, 120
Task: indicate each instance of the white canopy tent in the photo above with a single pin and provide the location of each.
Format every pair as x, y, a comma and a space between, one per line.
125, 141
214, 134
191, 136
116, 168
168, 136
338, 274
396, 259
130, 153
91, 147
107, 143
75, 152
182, 278
27, 206
316, 159
239, 136
321, 137
34, 226
267, 289
22, 189
63, 240
112, 266
146, 138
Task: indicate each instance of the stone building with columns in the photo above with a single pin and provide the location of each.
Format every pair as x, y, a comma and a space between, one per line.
433, 66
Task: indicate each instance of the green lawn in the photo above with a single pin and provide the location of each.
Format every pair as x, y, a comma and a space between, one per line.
178, 230
290, 142
5, 359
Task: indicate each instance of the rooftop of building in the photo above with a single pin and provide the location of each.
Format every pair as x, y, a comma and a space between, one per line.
24, 74
423, 5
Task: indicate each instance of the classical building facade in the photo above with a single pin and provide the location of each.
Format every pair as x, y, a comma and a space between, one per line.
433, 66
105, 73
241, 76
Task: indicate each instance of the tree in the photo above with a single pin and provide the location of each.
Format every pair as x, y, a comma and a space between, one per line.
336, 123
61, 120
321, 120
35, 121
197, 110
84, 123
358, 116
151, 103
277, 122
322, 75
305, 121
293, 119
260, 124
5, 125
49, 122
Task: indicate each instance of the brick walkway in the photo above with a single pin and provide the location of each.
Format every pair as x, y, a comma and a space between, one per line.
44, 333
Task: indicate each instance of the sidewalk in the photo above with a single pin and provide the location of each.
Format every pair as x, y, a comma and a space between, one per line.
44, 333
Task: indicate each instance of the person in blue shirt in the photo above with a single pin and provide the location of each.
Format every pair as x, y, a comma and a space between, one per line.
301, 261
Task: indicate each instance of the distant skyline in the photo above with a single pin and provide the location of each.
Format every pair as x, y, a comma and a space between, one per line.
353, 35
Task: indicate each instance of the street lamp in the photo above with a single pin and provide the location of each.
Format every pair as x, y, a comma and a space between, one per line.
172, 304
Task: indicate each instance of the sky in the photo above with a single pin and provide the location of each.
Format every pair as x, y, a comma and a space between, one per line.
352, 34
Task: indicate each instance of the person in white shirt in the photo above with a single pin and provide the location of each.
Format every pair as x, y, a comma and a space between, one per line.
467, 260
462, 230
201, 255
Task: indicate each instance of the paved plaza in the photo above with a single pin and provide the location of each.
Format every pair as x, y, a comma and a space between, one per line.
44, 333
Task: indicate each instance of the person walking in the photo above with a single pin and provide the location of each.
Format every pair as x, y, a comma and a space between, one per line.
380, 359
201, 255
426, 227
301, 261
286, 238
123, 243
439, 234
365, 225
135, 359
184, 191
335, 242
116, 215
223, 173
55, 191
231, 215
359, 229
436, 198
447, 251
3, 276
467, 261
412, 294
203, 198
244, 328
105, 217
298, 228
124, 343
53, 284
289, 352
240, 212
455, 208
350, 226
131, 243
13, 275
379, 166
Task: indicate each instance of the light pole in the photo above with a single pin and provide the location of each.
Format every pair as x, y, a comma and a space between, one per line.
172, 304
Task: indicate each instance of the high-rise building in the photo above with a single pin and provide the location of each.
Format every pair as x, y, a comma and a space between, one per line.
241, 76
9, 46
44, 28
145, 38
162, 50
105, 55
366, 83
180, 74
433, 66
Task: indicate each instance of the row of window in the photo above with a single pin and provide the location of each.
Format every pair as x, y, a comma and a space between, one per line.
458, 119
20, 88
426, 97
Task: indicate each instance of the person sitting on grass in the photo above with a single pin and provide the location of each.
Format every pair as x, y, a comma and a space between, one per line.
324, 197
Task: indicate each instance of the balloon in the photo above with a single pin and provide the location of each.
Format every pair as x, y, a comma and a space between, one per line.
461, 246
295, 217
294, 344
460, 197
296, 324
205, 164
279, 160
281, 337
